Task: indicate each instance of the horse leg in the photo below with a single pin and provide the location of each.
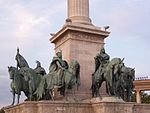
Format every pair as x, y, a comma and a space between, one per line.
51, 93
117, 90
13, 92
18, 97
93, 90
97, 90
74, 93
27, 95
128, 95
109, 89
98, 87
62, 90
123, 93
66, 92
30, 92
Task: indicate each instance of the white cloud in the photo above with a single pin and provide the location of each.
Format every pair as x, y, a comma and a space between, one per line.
27, 23
125, 17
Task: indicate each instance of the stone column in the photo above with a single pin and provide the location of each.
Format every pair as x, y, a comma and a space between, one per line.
78, 11
138, 96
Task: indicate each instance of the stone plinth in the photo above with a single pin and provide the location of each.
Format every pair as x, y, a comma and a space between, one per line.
86, 106
82, 43
111, 99
112, 107
141, 108
50, 107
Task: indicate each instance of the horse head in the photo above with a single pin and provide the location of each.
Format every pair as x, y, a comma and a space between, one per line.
128, 75
74, 65
132, 72
72, 75
75, 68
131, 76
12, 71
116, 65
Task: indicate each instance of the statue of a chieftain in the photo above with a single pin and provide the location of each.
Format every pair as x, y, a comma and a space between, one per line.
25, 78
21, 62
57, 68
101, 61
62, 76
118, 77
39, 69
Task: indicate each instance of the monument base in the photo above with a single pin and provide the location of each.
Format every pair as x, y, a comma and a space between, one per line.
94, 105
107, 99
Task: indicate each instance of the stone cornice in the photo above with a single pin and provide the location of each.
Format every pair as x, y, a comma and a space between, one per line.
81, 28
142, 85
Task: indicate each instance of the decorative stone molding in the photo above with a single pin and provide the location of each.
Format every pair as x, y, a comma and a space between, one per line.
85, 106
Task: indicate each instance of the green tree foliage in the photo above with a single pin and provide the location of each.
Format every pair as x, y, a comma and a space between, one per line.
133, 97
145, 98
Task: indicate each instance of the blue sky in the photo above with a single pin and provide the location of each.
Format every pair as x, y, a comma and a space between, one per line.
27, 24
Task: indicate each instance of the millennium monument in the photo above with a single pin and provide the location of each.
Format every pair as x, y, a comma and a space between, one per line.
76, 73
79, 39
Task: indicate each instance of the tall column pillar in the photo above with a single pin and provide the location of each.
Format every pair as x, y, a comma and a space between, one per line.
78, 11
138, 96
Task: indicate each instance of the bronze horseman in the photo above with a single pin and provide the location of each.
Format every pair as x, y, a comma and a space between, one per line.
119, 78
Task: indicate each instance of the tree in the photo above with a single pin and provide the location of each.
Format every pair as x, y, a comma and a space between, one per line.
145, 98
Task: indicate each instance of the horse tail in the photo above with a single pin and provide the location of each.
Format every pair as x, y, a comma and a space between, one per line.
40, 89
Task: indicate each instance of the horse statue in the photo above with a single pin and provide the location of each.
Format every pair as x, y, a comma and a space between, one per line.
32, 76
18, 84
126, 78
37, 85
72, 76
34, 80
70, 79
110, 74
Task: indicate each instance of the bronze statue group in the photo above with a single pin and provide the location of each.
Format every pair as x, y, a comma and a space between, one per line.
37, 85
119, 78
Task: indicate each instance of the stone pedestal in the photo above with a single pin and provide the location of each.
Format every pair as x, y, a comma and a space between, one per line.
81, 42
85, 106
112, 99
50, 107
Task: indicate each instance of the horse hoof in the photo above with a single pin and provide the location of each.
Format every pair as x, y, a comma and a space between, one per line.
12, 104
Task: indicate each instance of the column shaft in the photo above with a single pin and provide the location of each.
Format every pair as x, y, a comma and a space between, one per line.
78, 11
138, 96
